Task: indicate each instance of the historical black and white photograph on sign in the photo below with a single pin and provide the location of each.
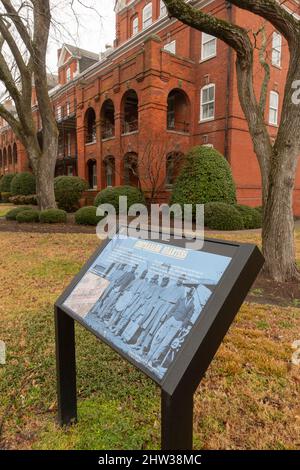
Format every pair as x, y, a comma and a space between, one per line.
144, 297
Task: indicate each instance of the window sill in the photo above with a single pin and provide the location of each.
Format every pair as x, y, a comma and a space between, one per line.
279, 67
91, 143
273, 125
207, 58
129, 133
108, 138
171, 131
206, 120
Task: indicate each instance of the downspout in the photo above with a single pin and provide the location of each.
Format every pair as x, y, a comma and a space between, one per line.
228, 88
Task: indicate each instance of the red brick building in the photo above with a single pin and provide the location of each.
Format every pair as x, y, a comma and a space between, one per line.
161, 88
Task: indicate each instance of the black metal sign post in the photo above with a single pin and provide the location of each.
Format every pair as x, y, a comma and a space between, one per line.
184, 374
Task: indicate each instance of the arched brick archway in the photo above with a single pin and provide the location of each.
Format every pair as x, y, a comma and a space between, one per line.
130, 112
1, 162
9, 156
178, 111
107, 116
4, 158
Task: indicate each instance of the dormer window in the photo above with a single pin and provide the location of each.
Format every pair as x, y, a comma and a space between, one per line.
147, 15
68, 74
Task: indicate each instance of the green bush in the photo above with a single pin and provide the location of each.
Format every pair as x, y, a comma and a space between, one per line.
24, 200
111, 196
28, 216
205, 177
260, 209
5, 182
252, 218
5, 197
12, 215
23, 184
87, 216
68, 191
222, 216
53, 216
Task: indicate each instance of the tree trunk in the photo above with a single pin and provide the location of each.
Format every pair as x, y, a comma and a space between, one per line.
43, 163
278, 223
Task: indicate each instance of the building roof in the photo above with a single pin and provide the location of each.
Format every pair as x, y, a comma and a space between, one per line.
78, 52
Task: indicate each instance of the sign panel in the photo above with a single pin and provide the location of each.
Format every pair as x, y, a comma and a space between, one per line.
144, 297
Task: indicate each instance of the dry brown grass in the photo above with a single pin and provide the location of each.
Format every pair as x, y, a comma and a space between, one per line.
249, 398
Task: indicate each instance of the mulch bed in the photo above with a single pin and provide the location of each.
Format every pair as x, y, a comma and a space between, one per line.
70, 227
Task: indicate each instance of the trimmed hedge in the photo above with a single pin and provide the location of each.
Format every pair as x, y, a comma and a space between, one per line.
53, 216
12, 215
23, 184
222, 216
5, 182
87, 216
205, 177
252, 218
68, 191
28, 216
23, 200
111, 196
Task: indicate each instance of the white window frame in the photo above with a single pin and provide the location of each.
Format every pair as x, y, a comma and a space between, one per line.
68, 74
162, 9
68, 108
171, 47
276, 49
147, 15
202, 104
206, 39
273, 108
59, 113
135, 26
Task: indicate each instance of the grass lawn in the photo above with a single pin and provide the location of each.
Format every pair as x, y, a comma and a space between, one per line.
4, 208
248, 399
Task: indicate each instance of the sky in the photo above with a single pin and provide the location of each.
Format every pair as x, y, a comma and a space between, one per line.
95, 29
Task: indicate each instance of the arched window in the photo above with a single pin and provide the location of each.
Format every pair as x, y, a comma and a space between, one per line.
178, 114
4, 158
130, 110
109, 166
9, 155
15, 154
107, 119
131, 175
90, 126
92, 173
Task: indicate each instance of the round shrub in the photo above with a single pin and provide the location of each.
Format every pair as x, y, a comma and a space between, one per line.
28, 216
252, 218
12, 215
87, 216
111, 196
23, 184
205, 177
222, 216
53, 216
68, 191
5, 182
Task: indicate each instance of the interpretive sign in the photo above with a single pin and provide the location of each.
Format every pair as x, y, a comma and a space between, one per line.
163, 307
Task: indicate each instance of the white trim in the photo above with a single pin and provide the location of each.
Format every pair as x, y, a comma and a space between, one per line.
276, 49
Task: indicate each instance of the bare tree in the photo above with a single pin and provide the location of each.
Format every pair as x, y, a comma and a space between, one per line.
24, 32
278, 160
25, 27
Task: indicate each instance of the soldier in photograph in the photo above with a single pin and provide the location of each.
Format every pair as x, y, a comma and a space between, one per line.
180, 314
